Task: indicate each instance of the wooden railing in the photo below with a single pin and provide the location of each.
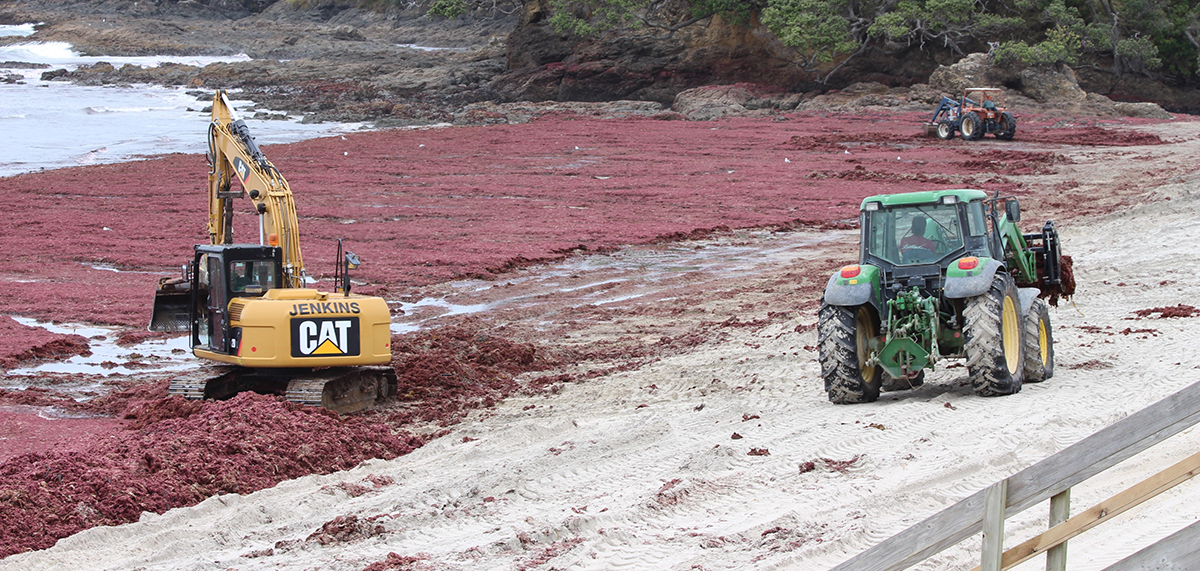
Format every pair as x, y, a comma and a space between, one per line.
1052, 478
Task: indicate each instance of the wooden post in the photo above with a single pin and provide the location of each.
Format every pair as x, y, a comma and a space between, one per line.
995, 498
1060, 511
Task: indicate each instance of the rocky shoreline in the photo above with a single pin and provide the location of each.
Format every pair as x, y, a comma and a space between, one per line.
403, 68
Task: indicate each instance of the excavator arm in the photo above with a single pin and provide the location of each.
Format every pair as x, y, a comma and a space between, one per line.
232, 153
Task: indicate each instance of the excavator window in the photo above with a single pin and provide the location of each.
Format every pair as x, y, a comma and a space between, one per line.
251, 277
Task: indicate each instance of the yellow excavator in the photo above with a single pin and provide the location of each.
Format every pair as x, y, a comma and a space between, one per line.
247, 305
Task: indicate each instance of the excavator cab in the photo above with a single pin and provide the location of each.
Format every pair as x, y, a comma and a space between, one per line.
226, 272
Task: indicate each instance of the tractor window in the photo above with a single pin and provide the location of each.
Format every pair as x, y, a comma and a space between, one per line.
251, 277
915, 234
976, 221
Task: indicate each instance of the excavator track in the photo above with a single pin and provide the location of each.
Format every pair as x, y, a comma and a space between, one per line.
343, 389
214, 383
340, 389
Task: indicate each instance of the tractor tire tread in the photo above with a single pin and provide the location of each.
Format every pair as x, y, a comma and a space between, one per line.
984, 345
836, 349
1007, 120
945, 129
1035, 370
974, 130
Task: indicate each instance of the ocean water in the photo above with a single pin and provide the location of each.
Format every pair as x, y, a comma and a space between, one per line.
19, 30
55, 124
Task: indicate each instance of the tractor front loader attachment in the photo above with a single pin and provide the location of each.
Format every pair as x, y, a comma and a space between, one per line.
947, 109
1055, 276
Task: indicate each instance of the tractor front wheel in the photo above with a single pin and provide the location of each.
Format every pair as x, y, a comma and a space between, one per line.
1039, 343
995, 359
843, 336
945, 130
971, 126
1008, 127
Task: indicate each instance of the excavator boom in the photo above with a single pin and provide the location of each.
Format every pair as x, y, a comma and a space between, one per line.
232, 152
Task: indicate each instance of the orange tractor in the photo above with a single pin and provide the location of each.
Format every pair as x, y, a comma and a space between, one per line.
981, 110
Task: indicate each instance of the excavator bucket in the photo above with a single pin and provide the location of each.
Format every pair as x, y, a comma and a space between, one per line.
172, 299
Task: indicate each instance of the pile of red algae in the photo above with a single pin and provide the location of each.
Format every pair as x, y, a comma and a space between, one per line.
145, 451
446, 372
421, 206
20, 344
36, 427
1083, 134
239, 446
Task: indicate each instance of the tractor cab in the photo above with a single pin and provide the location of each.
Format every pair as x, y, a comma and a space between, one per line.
920, 234
923, 227
988, 102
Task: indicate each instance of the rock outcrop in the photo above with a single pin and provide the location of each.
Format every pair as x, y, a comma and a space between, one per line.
650, 64
1050, 88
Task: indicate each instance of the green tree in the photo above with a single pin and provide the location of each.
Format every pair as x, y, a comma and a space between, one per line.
822, 30
586, 17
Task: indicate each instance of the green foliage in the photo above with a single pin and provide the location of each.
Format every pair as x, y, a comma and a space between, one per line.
1140, 53
587, 17
448, 8
816, 27
946, 19
738, 11
1060, 46
1133, 35
1143, 35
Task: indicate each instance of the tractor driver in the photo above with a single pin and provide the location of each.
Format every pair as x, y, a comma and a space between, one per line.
916, 240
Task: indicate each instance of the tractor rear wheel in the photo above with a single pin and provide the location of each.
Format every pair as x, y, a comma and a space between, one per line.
993, 339
971, 126
1039, 343
945, 129
1008, 126
843, 334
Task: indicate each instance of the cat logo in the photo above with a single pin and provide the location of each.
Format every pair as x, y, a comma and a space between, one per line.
325, 337
243, 169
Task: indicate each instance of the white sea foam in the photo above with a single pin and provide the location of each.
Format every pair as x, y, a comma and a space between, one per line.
20, 30
63, 55
60, 124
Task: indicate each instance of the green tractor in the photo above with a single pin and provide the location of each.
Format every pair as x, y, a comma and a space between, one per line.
942, 274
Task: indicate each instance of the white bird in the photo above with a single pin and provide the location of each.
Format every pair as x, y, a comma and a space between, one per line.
787, 160
345, 153
847, 152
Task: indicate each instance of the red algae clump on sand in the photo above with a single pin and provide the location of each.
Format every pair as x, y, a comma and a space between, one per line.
239, 446
448, 371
